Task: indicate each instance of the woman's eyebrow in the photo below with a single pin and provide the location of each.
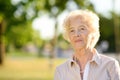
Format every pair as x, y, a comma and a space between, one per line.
82, 26
71, 28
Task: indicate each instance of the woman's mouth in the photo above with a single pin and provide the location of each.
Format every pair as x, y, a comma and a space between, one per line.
76, 41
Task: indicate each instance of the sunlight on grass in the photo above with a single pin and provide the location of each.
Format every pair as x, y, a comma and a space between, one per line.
28, 68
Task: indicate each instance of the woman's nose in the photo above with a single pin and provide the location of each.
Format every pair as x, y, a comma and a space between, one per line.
77, 33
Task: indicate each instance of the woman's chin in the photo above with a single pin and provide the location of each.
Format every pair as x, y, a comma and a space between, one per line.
78, 47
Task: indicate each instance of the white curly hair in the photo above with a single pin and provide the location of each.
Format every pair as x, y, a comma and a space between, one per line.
89, 17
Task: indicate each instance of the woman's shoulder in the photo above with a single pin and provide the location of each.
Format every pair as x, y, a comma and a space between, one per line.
64, 65
107, 59
103, 56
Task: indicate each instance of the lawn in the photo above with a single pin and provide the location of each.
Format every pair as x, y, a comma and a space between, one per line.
28, 68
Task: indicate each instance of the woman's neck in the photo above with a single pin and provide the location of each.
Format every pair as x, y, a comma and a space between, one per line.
82, 57
83, 52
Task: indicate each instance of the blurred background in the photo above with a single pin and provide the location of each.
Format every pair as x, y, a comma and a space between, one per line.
31, 41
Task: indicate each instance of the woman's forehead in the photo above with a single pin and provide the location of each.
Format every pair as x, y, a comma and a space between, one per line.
78, 22
78, 26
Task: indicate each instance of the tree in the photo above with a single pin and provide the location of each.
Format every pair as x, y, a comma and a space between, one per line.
107, 32
54, 8
116, 21
15, 13
4, 6
19, 35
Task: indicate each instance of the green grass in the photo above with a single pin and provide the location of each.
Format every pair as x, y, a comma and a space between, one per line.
18, 68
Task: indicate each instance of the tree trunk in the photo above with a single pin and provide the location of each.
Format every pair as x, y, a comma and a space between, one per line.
117, 34
116, 30
53, 43
2, 47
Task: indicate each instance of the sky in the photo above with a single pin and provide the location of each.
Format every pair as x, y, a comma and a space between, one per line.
45, 25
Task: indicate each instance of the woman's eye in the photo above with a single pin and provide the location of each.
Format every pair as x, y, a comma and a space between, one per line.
82, 28
71, 30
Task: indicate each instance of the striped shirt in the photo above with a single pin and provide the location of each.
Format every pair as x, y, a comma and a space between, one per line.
100, 67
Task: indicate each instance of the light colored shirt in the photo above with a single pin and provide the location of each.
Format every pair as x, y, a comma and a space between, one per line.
100, 67
85, 74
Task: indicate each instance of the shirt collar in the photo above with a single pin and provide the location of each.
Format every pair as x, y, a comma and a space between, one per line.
96, 59
72, 62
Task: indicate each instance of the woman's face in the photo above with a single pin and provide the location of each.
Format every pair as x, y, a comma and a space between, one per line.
79, 34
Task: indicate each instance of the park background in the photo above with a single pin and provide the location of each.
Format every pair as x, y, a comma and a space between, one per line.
31, 41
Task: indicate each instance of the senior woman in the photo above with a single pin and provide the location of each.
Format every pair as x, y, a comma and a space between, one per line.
82, 31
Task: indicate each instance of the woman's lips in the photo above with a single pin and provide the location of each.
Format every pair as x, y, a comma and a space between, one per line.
78, 40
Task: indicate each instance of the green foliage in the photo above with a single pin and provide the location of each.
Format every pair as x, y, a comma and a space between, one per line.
17, 17
37, 40
19, 35
107, 32
106, 27
62, 43
55, 7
